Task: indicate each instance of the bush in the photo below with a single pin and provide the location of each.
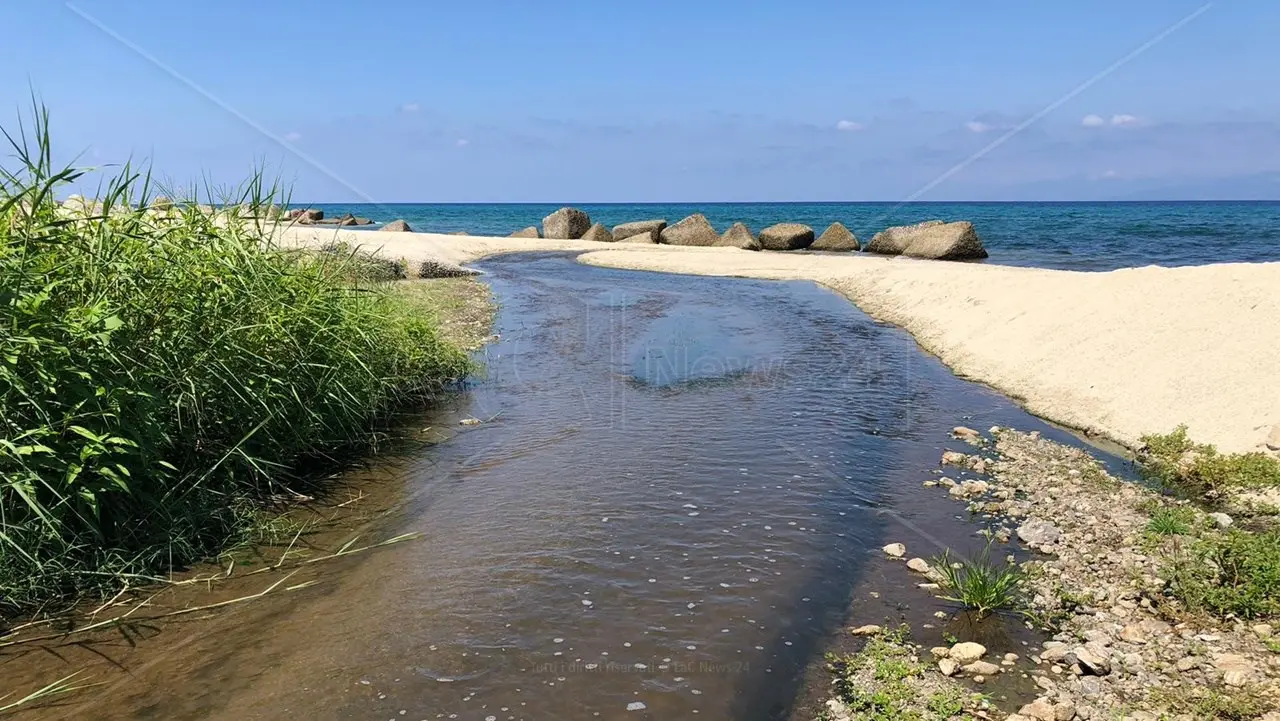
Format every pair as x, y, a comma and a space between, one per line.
1200, 469
1229, 573
162, 373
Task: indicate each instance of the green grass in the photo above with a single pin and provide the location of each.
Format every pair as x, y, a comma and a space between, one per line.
1214, 704
979, 583
1201, 470
1171, 521
885, 681
1236, 572
165, 375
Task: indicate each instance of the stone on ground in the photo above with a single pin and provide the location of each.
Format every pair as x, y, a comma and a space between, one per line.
397, 226
566, 224
738, 236
530, 232
651, 228
836, 238
786, 236
598, 233
694, 230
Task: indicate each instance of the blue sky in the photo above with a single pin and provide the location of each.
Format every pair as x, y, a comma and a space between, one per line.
663, 100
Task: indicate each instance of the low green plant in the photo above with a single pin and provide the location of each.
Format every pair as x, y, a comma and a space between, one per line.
166, 374
1236, 572
979, 583
885, 681
1200, 469
1212, 704
1171, 521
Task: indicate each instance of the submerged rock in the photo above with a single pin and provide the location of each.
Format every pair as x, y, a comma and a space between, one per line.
397, 226
566, 224
598, 233
738, 236
694, 230
836, 238
786, 236
530, 232
651, 228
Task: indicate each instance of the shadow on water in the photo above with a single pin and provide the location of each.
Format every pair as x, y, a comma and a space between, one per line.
683, 486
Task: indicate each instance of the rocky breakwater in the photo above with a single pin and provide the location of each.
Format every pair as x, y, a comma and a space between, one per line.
932, 239
315, 216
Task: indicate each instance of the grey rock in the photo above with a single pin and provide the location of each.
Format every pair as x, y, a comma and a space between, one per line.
786, 236
836, 238
896, 550
307, 215
397, 226
933, 239
893, 241
1038, 532
949, 241
948, 667
981, 668
652, 228
598, 233
738, 236
359, 220
694, 230
1273, 439
1092, 661
1221, 519
161, 202
566, 224
968, 652
530, 232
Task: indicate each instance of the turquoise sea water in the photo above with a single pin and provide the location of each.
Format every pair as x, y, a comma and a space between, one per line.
1078, 236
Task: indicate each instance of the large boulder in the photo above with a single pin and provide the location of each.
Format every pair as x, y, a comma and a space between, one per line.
566, 224
946, 241
347, 219
694, 230
363, 221
738, 236
598, 233
932, 239
892, 241
530, 232
836, 238
397, 226
310, 215
651, 227
786, 236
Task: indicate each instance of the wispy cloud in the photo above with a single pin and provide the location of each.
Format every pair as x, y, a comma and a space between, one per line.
410, 108
1093, 121
1124, 119
293, 136
462, 142
849, 126
977, 126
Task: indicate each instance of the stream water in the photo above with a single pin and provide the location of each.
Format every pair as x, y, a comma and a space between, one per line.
680, 485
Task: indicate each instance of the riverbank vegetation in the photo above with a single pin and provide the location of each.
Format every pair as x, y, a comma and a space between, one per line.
167, 374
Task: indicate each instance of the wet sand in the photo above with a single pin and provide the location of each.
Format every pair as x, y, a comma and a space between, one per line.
1115, 354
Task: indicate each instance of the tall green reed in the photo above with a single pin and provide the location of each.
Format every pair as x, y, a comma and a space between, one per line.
163, 371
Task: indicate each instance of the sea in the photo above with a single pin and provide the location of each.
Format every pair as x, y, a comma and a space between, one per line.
1087, 236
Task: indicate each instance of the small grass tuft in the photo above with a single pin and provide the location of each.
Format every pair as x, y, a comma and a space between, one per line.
1171, 521
979, 583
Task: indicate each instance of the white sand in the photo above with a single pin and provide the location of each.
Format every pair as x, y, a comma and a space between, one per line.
1115, 354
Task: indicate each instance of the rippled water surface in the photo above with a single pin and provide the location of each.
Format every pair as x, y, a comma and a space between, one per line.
680, 483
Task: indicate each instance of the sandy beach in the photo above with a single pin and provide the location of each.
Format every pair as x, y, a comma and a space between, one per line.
1115, 354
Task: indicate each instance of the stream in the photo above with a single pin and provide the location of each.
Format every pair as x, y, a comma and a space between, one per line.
679, 487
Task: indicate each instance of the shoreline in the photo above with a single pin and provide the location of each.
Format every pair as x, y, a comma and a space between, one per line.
1116, 354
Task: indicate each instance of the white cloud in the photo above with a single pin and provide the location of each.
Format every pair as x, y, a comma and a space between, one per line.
462, 142
410, 108
1109, 174
1093, 121
293, 136
977, 126
1124, 119
849, 126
